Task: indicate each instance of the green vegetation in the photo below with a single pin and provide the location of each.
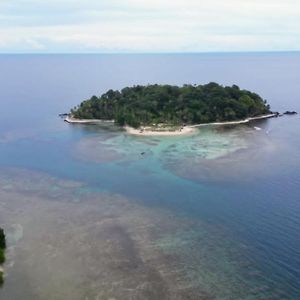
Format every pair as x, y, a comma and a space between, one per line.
173, 105
2, 252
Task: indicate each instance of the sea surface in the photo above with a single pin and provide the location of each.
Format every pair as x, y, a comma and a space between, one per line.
215, 215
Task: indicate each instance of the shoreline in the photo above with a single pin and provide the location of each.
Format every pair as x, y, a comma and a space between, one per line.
86, 121
236, 122
149, 131
190, 129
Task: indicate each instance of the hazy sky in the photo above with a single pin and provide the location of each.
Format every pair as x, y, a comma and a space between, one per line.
149, 25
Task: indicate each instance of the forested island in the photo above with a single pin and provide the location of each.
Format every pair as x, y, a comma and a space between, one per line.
2, 253
173, 105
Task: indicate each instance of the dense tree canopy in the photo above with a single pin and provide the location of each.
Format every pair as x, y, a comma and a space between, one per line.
190, 104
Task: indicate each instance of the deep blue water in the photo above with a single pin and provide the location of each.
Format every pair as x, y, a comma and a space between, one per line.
254, 196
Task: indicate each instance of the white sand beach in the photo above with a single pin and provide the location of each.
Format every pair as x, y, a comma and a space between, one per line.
72, 120
166, 131
191, 129
151, 131
236, 122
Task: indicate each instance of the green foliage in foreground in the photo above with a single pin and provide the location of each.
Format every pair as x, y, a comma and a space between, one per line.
2, 256
2, 239
190, 104
2, 252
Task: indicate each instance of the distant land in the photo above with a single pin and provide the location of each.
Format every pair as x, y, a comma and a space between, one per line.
151, 105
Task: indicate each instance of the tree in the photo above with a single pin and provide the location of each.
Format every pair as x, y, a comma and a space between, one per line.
145, 105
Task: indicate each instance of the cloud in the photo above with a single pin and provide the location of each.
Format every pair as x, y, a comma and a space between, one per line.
148, 26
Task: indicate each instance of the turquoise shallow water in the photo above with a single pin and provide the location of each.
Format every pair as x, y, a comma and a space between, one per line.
234, 190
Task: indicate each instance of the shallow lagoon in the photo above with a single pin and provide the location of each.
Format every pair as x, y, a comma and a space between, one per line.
213, 216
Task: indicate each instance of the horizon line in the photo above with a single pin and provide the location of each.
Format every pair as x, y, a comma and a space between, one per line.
151, 53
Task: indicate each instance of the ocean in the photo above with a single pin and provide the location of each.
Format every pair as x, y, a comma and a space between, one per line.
209, 216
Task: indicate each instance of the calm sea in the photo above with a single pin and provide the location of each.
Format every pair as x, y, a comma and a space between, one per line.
211, 216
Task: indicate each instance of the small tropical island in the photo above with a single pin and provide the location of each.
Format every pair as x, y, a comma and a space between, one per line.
2, 253
172, 109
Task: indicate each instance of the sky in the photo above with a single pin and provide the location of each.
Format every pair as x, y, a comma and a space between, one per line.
155, 26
